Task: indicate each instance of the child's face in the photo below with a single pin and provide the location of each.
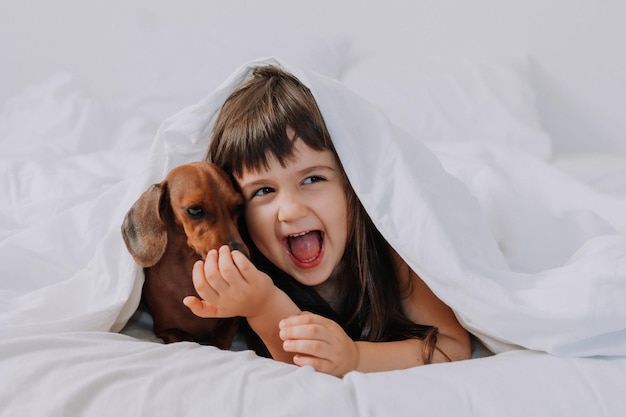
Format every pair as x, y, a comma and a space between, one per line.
297, 215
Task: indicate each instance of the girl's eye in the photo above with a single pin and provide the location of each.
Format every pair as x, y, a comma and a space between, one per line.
312, 179
262, 191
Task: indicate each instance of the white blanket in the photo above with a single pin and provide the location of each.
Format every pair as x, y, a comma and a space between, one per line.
526, 257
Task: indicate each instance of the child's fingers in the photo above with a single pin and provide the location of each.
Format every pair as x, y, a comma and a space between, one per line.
208, 285
303, 318
318, 364
316, 354
243, 264
304, 331
213, 275
304, 340
227, 268
210, 262
200, 308
200, 282
318, 342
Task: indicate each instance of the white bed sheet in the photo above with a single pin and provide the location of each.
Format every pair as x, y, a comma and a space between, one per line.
107, 374
67, 279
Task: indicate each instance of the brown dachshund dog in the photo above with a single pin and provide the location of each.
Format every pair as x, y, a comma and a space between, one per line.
170, 227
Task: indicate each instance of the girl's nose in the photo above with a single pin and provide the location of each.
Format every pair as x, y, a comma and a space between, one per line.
291, 209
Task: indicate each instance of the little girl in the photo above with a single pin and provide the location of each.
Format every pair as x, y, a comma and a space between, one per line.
322, 288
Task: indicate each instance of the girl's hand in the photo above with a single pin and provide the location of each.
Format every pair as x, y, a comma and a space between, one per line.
319, 342
229, 285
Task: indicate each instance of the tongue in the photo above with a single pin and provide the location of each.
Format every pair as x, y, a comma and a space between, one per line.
306, 247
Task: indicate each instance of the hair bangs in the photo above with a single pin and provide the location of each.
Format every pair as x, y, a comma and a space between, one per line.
253, 123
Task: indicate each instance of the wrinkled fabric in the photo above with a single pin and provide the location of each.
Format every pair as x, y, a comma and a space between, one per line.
529, 259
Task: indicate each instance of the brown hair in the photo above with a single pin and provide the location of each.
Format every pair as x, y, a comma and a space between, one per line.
250, 129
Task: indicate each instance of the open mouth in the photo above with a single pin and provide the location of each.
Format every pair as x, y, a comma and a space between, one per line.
305, 247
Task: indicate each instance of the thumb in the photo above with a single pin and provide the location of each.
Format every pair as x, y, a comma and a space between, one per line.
200, 307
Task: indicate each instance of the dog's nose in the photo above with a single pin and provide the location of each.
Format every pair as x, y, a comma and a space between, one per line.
234, 245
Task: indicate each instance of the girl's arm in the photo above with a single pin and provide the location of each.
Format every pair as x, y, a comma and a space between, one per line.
266, 325
321, 343
422, 306
230, 285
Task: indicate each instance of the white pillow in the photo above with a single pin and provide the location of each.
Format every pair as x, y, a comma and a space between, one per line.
488, 100
173, 65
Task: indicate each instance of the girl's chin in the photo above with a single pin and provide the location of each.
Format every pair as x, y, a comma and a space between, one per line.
311, 277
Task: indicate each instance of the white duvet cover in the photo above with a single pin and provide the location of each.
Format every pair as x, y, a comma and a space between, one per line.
532, 261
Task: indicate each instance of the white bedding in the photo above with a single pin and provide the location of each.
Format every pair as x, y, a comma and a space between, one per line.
532, 260
98, 374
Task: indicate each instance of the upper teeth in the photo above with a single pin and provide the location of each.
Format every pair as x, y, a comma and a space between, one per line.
298, 234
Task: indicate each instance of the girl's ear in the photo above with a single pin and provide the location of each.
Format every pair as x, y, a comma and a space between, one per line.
143, 229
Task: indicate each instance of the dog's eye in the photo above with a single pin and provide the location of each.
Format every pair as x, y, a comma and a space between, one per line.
196, 212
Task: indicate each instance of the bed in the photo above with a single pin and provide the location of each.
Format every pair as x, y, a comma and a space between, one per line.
479, 157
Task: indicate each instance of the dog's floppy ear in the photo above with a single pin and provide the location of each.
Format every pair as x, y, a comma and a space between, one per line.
143, 229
